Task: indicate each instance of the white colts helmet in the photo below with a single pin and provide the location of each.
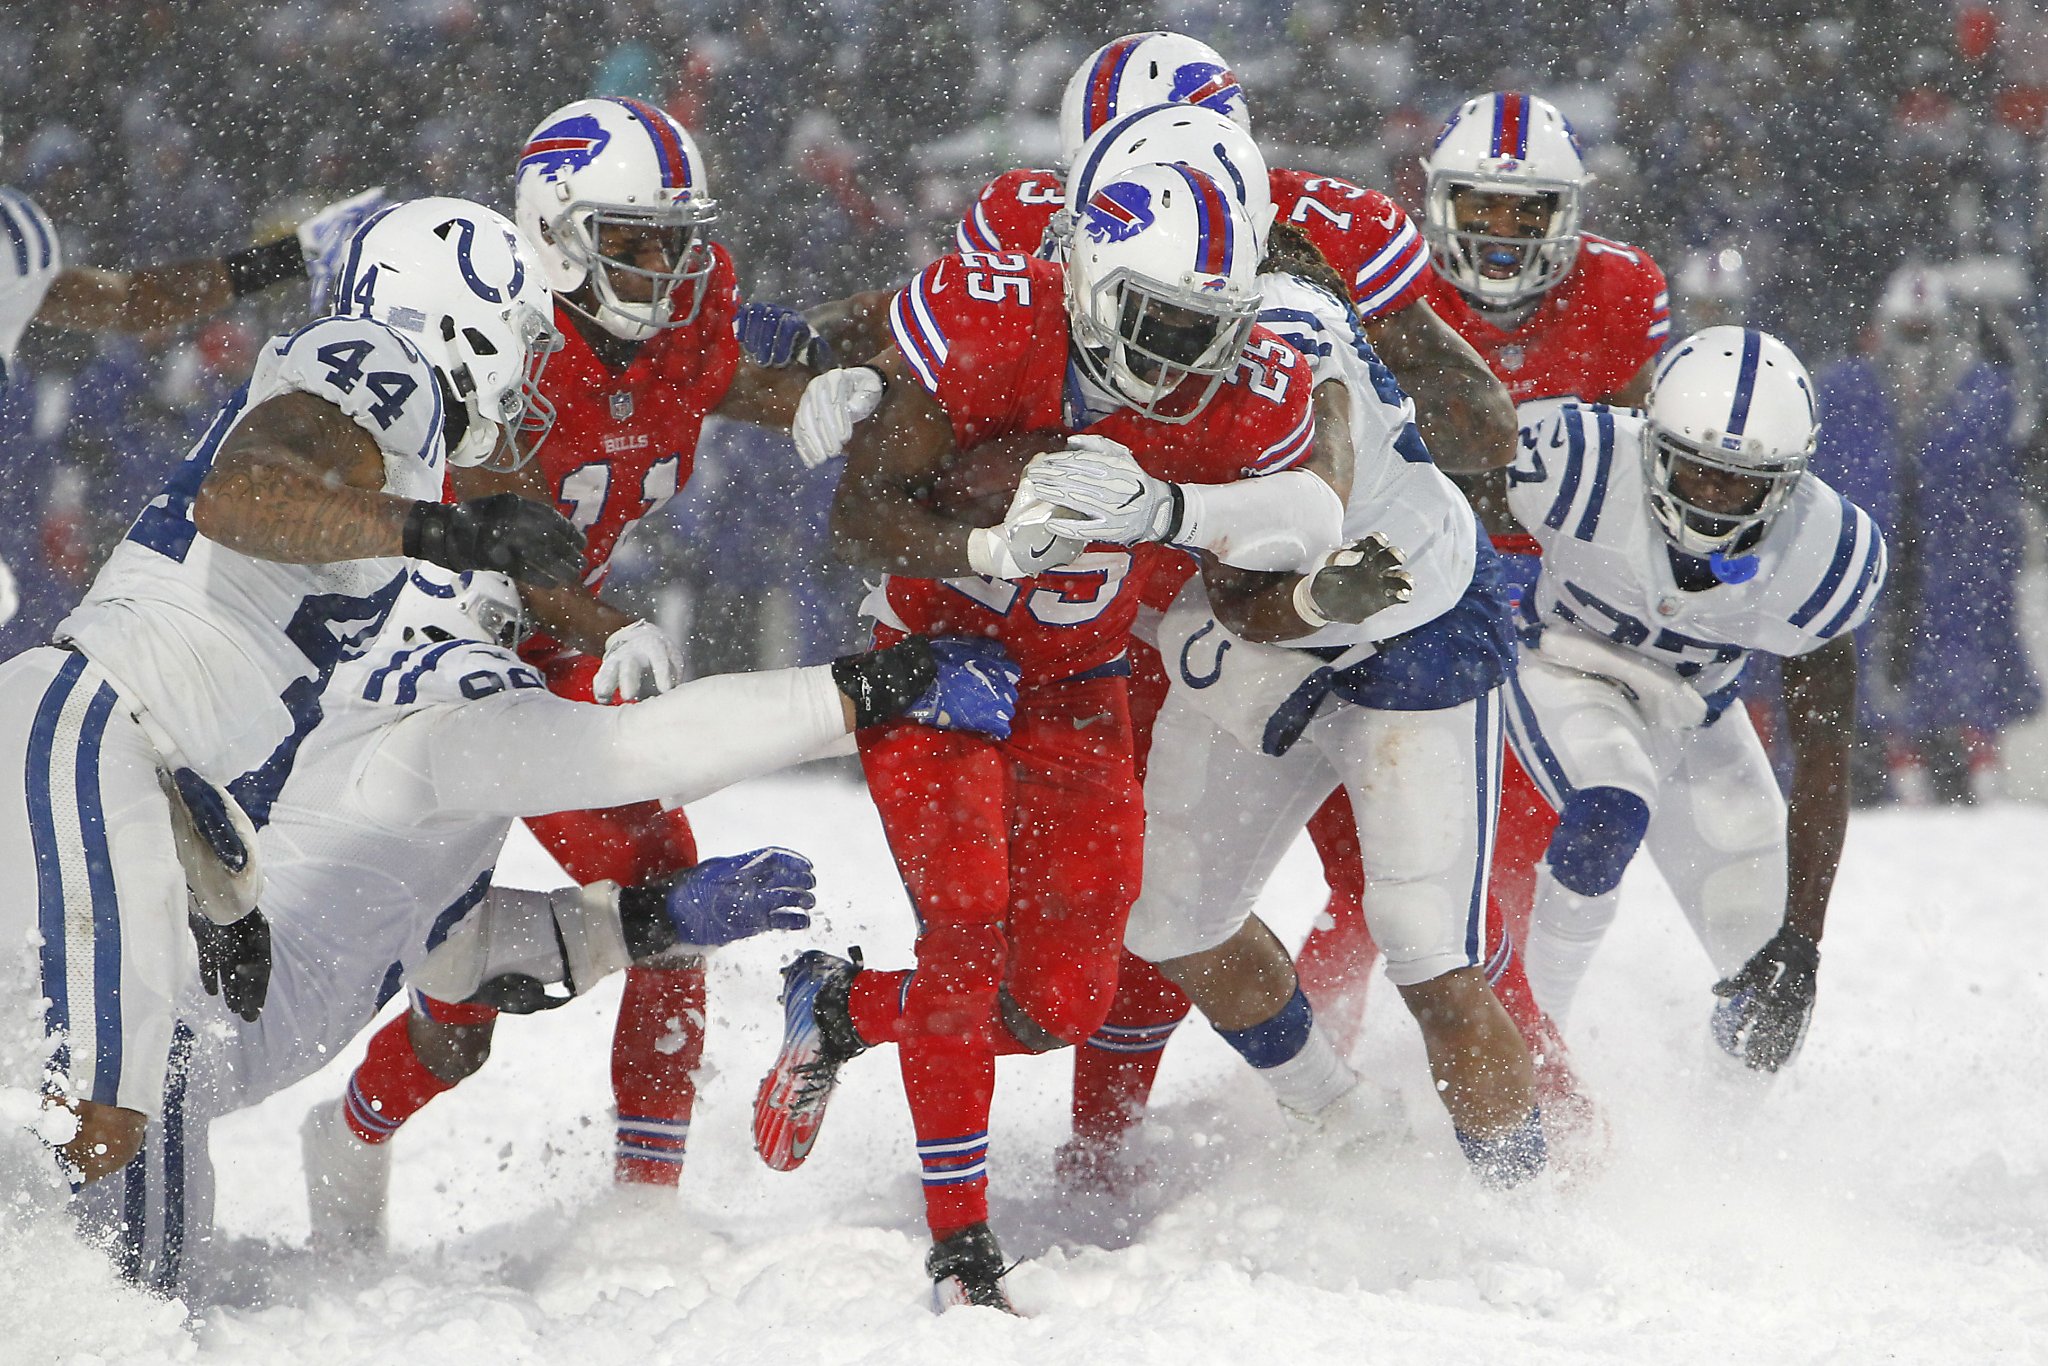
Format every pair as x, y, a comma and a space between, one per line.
1507, 144
1139, 70
1162, 288
1185, 133
1731, 399
461, 283
618, 163
440, 604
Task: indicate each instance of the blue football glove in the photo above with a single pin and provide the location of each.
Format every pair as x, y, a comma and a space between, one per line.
775, 336
723, 899
976, 688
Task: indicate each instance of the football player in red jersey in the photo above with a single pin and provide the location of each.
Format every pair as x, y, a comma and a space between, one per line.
1463, 410
612, 193
1022, 857
1555, 312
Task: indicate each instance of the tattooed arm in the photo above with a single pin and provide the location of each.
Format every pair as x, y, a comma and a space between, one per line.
298, 482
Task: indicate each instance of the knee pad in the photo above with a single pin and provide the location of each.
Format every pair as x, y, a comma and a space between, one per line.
1597, 834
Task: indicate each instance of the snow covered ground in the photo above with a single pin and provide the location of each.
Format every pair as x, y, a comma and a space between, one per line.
1886, 1201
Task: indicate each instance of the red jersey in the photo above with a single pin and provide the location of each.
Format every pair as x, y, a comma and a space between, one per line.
1364, 234
624, 440
986, 335
1361, 232
1587, 337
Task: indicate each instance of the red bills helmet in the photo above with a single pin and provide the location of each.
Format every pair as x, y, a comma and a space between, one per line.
617, 168
1162, 288
1508, 144
462, 285
1139, 70
1728, 401
1185, 133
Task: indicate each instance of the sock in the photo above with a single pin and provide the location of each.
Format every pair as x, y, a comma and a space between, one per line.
389, 1086
1564, 930
1114, 1070
1294, 1057
656, 1049
1503, 1161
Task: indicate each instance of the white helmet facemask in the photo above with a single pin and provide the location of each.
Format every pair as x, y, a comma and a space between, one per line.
1162, 289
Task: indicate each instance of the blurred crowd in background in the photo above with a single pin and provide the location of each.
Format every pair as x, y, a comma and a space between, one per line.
1868, 180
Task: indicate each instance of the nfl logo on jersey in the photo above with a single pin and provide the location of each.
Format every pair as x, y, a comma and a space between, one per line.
1511, 358
622, 406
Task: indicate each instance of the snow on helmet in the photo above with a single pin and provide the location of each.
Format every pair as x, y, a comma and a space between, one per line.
460, 282
623, 165
1139, 70
1731, 399
1162, 287
1506, 143
1165, 133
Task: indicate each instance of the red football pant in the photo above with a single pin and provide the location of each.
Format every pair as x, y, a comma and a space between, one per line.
1022, 859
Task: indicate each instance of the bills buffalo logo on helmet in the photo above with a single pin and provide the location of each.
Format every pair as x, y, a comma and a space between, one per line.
1206, 84
1118, 212
569, 145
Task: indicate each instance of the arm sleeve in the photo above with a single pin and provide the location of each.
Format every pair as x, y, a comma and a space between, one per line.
572, 936
1284, 522
528, 752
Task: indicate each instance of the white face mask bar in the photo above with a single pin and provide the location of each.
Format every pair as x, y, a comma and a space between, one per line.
525, 414
1694, 527
1164, 336
579, 231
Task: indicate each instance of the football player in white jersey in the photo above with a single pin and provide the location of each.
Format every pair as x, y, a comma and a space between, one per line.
379, 849
1388, 683
1676, 541
36, 285
159, 727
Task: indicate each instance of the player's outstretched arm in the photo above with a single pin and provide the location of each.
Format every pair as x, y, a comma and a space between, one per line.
1820, 710
1466, 416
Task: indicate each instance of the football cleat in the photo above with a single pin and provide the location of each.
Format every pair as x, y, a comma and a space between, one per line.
817, 1038
967, 1268
347, 1181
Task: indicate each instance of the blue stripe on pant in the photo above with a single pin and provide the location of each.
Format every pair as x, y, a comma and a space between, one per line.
58, 762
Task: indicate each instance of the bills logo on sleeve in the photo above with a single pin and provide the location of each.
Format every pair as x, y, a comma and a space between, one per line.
569, 145
1118, 212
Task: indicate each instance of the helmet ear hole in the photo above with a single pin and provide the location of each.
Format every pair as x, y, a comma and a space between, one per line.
478, 342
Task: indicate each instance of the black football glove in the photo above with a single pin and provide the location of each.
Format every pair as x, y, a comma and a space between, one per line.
234, 961
1769, 1001
1358, 580
503, 532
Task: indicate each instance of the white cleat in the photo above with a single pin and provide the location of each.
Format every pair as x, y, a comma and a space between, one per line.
347, 1182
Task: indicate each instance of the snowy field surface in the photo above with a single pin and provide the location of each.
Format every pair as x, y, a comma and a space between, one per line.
1887, 1201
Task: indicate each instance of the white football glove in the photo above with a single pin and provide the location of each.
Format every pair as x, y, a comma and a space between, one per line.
1025, 543
324, 238
1102, 494
639, 661
832, 406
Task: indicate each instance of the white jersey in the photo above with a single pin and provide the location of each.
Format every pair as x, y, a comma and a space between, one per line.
227, 654
1396, 489
30, 257
1577, 487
